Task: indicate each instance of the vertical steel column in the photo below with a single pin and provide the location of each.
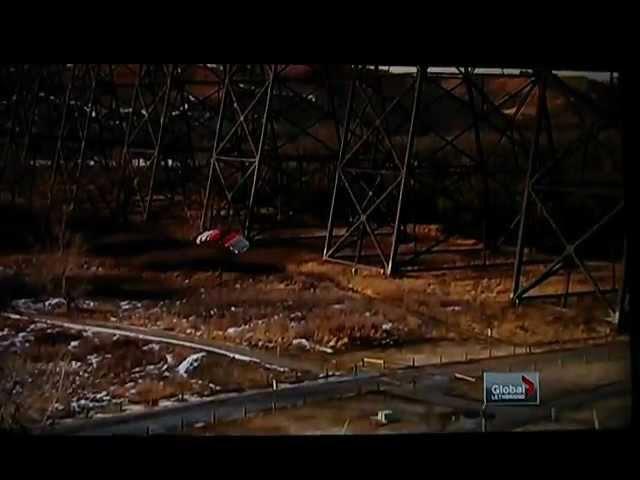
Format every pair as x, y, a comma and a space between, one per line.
533, 153
338, 167
206, 217
61, 134
158, 141
405, 167
483, 163
258, 162
94, 72
626, 286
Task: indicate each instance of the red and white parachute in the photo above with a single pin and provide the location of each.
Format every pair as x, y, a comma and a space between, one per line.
234, 241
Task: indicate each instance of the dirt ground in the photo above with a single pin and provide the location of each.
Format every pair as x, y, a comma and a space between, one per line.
284, 295
278, 295
612, 413
346, 416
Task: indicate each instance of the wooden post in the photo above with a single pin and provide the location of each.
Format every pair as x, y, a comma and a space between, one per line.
213, 416
244, 411
514, 349
148, 431
182, 424
413, 362
466, 356
596, 422
553, 414
441, 358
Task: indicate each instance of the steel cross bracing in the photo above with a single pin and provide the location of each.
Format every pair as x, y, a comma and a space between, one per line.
563, 170
23, 96
275, 137
449, 152
251, 144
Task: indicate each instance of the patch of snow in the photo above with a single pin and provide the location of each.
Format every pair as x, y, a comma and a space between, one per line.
235, 331
387, 326
190, 364
169, 358
5, 332
94, 359
86, 303
73, 345
301, 342
34, 305
453, 308
128, 305
152, 346
338, 306
307, 345
17, 343
55, 304
323, 349
90, 402
37, 326
75, 365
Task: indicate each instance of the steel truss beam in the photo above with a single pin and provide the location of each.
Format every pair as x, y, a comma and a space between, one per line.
22, 90
378, 178
267, 123
552, 176
371, 173
238, 146
144, 135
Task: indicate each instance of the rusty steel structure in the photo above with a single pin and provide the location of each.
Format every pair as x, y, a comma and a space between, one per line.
373, 153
